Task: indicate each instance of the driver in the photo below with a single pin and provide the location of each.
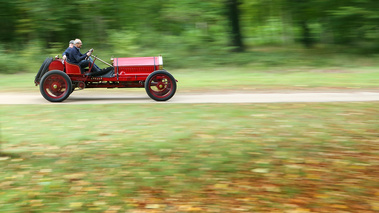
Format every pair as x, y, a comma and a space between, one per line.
76, 57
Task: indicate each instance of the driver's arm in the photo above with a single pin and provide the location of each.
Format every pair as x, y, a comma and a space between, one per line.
78, 57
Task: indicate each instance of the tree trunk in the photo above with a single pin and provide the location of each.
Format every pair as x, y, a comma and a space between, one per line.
233, 17
306, 35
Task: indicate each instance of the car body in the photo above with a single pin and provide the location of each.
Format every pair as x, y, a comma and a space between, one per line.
58, 78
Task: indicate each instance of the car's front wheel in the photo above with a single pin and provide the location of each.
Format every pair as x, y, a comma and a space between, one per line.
55, 86
160, 85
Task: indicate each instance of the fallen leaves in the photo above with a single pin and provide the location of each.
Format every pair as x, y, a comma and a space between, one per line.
76, 205
221, 186
260, 170
271, 188
374, 205
4, 158
266, 160
45, 171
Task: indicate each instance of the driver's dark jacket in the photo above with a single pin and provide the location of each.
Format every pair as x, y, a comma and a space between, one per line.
75, 56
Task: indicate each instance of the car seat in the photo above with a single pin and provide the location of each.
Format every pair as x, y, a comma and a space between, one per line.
73, 68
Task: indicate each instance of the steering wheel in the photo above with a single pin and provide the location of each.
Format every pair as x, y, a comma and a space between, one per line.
91, 51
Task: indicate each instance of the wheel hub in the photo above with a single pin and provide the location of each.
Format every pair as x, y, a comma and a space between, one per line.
161, 86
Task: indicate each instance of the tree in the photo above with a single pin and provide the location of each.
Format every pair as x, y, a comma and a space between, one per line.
355, 20
201, 25
233, 14
8, 18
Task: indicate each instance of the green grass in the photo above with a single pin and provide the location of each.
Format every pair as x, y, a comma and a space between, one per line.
179, 158
251, 78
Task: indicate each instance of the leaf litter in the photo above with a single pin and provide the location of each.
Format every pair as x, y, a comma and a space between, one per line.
323, 163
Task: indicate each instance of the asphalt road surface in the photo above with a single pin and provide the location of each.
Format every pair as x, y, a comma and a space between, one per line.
110, 97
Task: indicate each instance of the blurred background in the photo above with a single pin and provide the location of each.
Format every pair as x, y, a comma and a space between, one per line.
213, 32
280, 157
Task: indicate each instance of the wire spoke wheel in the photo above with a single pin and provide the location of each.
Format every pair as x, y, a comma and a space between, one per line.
55, 86
160, 86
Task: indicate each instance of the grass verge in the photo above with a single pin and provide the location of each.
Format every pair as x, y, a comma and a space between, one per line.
182, 158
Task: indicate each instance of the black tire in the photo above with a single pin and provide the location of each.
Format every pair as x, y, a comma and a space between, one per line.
160, 85
43, 69
55, 86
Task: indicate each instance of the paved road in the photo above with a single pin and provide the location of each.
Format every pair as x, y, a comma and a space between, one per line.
109, 97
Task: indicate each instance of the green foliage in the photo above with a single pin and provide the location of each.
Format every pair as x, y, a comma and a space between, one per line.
123, 43
49, 21
10, 62
31, 50
184, 28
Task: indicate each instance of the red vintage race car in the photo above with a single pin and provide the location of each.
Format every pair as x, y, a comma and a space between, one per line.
58, 78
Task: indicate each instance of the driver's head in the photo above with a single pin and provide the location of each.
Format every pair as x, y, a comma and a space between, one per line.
78, 43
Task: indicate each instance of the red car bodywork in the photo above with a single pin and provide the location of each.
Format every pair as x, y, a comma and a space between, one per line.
125, 70
127, 73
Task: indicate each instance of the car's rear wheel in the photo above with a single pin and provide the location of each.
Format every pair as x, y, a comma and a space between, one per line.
43, 69
160, 85
55, 86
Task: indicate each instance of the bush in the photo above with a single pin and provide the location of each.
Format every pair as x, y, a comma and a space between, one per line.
10, 62
124, 43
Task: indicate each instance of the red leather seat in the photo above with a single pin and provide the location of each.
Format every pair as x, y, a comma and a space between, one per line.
72, 68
